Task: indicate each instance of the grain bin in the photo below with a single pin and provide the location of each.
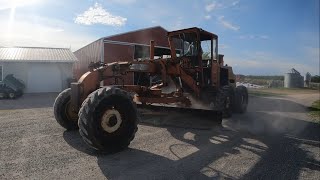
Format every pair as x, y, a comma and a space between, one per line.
293, 79
307, 79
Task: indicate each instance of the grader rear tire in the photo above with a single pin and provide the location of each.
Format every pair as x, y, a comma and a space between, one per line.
63, 113
241, 100
108, 119
228, 94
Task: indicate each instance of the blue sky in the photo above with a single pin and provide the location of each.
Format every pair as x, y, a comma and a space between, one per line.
264, 37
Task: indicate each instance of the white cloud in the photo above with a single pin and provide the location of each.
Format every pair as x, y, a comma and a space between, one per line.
253, 37
214, 5
124, 1
219, 4
227, 24
207, 17
98, 15
235, 3
223, 46
263, 37
211, 6
178, 24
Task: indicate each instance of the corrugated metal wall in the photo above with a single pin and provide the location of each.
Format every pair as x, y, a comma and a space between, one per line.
115, 51
292, 80
158, 34
90, 53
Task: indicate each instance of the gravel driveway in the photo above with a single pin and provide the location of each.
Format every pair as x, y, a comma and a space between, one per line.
273, 140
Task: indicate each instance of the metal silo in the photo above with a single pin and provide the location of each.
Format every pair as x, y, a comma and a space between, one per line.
307, 79
293, 79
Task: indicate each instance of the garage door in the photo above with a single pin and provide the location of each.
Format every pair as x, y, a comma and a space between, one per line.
43, 78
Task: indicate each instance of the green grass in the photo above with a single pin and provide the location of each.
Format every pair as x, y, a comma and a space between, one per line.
264, 94
281, 91
314, 111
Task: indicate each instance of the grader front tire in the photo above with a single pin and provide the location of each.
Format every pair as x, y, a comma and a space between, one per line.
63, 112
108, 119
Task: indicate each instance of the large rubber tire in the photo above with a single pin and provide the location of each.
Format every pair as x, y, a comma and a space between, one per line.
95, 119
228, 94
220, 101
62, 112
12, 95
241, 100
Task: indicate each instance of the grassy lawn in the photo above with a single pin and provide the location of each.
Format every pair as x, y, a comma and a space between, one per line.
264, 93
315, 111
281, 91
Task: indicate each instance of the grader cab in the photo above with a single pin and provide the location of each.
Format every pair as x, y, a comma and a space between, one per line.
107, 116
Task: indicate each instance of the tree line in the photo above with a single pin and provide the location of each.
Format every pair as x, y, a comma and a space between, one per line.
315, 79
275, 77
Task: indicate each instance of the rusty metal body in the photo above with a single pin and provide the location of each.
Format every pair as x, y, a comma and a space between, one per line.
189, 73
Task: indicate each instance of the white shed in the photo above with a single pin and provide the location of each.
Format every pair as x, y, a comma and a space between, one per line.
41, 69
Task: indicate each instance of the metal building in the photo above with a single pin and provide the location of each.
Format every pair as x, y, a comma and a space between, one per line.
293, 79
41, 69
307, 79
120, 47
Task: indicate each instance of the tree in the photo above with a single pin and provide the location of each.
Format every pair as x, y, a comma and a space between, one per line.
315, 79
206, 55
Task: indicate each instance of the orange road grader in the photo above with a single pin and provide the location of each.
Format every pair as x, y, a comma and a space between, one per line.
192, 75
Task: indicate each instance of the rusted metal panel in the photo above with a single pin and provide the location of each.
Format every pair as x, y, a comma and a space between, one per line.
116, 53
118, 48
143, 36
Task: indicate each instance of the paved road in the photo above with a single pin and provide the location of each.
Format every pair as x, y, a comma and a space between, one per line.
274, 140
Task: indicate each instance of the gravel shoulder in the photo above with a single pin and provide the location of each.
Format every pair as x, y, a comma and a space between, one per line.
273, 140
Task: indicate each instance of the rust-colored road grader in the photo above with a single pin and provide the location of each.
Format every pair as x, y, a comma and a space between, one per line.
192, 73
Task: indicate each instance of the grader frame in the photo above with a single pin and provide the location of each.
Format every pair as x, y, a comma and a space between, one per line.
107, 117
167, 68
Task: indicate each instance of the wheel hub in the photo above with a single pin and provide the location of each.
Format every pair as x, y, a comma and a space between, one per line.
11, 95
71, 114
111, 120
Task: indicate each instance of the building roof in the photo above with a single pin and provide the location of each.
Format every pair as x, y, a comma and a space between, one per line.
36, 54
135, 31
137, 35
142, 36
293, 71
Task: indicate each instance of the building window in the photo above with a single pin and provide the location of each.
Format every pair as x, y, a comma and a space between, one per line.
1, 73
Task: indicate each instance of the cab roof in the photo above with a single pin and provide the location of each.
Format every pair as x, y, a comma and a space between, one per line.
204, 35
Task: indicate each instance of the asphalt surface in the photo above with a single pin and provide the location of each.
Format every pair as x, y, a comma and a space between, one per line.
273, 140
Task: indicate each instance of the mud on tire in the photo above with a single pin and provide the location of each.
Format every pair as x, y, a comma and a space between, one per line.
108, 119
62, 112
228, 95
241, 99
